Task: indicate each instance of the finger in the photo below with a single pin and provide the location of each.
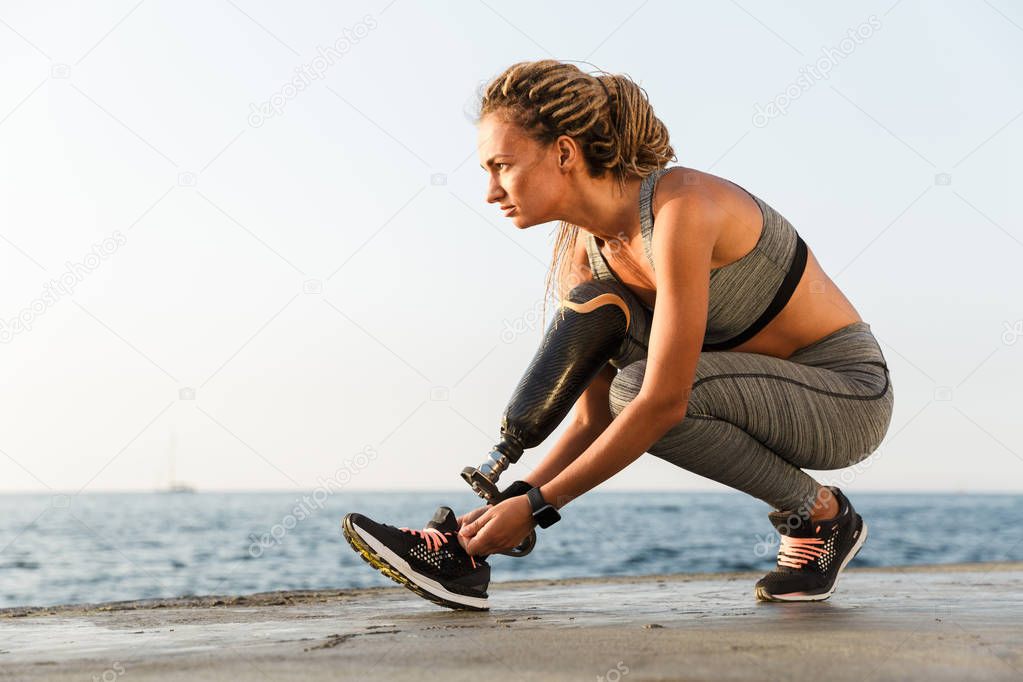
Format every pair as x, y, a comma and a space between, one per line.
477, 545
473, 527
470, 529
465, 518
479, 521
464, 542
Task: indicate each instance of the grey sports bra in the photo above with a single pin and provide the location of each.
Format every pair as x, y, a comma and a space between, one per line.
745, 295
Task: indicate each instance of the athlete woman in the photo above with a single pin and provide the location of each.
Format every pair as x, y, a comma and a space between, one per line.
743, 362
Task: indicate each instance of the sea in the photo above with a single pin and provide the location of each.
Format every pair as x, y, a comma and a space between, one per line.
88, 548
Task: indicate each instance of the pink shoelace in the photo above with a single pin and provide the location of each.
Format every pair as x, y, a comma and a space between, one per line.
796, 552
434, 539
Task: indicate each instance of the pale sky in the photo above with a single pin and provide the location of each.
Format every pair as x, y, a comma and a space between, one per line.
279, 291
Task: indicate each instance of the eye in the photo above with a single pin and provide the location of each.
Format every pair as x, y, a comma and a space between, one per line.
500, 164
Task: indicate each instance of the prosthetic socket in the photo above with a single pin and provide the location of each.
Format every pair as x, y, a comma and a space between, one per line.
590, 330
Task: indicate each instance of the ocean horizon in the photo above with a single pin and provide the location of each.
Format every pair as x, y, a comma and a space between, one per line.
58, 548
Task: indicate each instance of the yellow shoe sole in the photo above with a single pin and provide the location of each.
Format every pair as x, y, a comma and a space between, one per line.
381, 564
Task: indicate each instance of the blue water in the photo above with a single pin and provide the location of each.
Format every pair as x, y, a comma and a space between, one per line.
111, 547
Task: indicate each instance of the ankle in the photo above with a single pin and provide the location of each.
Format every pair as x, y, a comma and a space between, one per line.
827, 506
824, 515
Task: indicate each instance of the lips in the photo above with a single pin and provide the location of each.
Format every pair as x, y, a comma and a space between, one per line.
507, 209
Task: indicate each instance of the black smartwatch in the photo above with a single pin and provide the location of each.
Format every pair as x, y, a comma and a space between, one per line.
544, 513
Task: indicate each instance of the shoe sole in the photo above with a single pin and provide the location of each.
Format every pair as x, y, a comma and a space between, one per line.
764, 595
397, 569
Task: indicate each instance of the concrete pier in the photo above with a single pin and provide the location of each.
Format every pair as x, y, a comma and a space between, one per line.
952, 622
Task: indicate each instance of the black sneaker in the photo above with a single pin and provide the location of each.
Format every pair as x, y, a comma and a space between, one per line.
430, 562
812, 553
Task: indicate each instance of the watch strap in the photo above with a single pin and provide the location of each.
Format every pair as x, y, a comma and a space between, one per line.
543, 512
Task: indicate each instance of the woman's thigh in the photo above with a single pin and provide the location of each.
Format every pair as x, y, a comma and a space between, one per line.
828, 406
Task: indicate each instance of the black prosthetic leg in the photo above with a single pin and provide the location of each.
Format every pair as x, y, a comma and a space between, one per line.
593, 331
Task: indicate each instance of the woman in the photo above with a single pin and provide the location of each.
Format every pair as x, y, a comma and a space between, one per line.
744, 363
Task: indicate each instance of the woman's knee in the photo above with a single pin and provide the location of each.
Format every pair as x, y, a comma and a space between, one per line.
684, 444
696, 444
625, 386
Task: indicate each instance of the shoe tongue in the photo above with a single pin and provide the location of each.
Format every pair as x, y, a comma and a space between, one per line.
794, 525
444, 520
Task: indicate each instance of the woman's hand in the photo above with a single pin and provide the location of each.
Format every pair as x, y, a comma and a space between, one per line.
500, 527
471, 516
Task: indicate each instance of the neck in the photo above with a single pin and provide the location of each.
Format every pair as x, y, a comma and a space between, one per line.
598, 207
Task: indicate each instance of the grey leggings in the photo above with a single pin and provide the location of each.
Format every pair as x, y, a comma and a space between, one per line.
755, 421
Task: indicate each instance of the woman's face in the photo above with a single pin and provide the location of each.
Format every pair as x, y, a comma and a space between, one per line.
524, 176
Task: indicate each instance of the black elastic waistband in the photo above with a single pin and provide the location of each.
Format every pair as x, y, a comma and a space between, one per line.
781, 297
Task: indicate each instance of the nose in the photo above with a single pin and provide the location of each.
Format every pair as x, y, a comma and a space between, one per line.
494, 191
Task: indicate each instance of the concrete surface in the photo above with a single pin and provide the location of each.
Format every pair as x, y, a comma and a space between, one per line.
955, 622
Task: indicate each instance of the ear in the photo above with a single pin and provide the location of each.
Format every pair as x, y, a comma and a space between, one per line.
568, 152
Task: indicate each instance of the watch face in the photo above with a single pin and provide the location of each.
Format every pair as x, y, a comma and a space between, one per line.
546, 516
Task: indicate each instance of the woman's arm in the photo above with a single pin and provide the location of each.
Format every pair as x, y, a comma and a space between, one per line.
640, 425
686, 230
592, 416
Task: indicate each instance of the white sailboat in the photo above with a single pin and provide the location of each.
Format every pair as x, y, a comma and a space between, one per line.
174, 486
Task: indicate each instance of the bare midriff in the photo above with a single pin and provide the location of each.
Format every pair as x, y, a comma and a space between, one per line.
817, 306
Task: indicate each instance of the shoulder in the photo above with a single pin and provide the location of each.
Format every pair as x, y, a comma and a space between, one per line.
686, 207
689, 192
